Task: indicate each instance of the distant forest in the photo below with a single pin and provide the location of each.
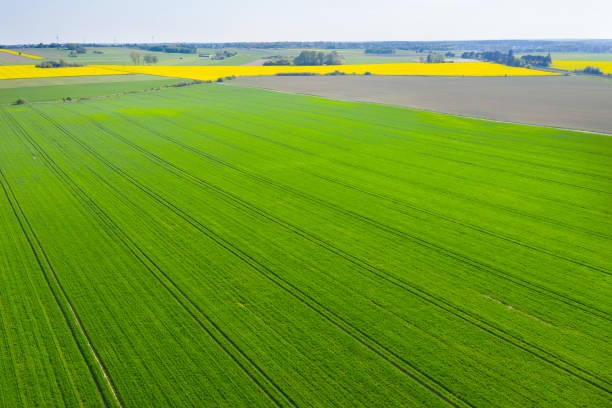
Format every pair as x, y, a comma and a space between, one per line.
309, 58
509, 58
517, 46
170, 48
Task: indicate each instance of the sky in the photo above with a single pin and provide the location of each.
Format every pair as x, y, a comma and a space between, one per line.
122, 21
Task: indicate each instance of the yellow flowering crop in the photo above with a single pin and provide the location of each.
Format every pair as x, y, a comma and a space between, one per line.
604, 66
211, 73
21, 54
447, 69
30, 71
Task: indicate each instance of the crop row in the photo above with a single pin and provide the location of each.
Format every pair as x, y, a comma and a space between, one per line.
294, 251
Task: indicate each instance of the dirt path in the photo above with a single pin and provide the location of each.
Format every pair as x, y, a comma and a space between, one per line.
255, 63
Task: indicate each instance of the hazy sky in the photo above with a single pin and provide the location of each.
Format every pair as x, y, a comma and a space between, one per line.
34, 21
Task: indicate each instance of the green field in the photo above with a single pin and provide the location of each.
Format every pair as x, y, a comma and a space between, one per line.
225, 246
580, 56
53, 89
121, 56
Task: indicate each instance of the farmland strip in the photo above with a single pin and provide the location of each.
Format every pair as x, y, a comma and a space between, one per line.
498, 206
408, 286
485, 268
79, 334
458, 222
445, 394
164, 279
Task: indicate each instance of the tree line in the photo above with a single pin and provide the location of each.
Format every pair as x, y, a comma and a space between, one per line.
509, 58
173, 49
309, 58
223, 54
519, 46
147, 58
57, 64
379, 50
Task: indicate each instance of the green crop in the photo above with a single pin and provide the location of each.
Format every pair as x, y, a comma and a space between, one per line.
226, 246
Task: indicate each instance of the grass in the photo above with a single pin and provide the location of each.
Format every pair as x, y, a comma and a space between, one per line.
227, 246
83, 87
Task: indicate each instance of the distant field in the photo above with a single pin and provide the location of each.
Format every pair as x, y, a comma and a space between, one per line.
217, 246
210, 73
12, 57
580, 56
379, 59
20, 54
562, 101
358, 56
121, 56
85, 87
74, 80
605, 67
450, 69
30, 71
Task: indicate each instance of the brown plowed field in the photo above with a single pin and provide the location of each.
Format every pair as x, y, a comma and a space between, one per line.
561, 101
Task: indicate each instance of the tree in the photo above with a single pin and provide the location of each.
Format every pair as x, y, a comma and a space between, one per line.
278, 61
379, 50
333, 58
223, 54
56, 64
592, 70
537, 60
435, 58
135, 57
318, 58
309, 58
176, 48
150, 59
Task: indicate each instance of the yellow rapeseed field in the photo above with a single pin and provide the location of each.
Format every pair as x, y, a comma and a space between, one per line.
604, 66
211, 73
21, 54
207, 73
30, 71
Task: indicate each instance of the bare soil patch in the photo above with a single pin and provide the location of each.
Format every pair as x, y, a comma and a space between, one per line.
559, 101
256, 63
42, 52
8, 58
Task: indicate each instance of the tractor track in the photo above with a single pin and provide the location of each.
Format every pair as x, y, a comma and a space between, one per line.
410, 287
168, 284
413, 372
